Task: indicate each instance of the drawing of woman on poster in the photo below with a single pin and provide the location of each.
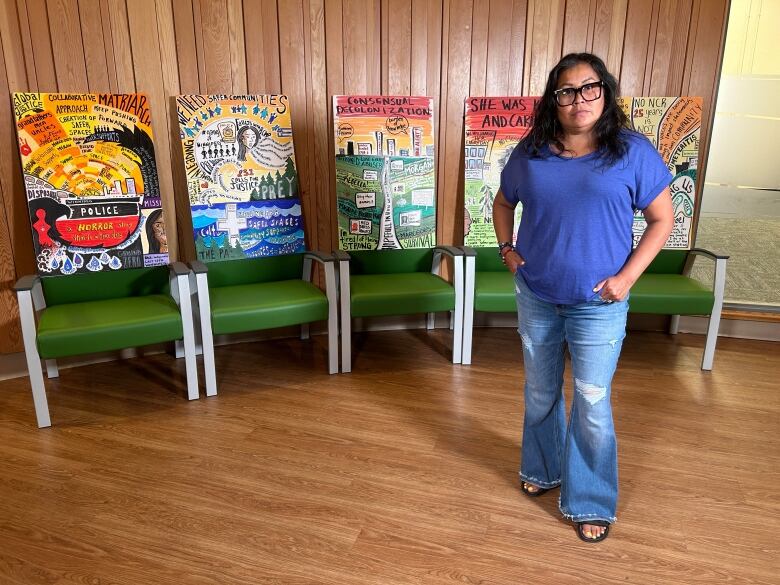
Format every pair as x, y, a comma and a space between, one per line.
155, 233
248, 138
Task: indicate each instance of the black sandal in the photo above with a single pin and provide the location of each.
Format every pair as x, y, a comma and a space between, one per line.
581, 532
535, 494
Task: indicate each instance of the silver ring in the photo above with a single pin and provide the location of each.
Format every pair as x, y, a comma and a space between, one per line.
609, 301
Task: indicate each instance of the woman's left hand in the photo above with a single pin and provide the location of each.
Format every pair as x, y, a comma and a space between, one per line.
614, 288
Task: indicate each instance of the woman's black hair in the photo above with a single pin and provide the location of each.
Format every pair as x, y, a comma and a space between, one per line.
545, 131
154, 244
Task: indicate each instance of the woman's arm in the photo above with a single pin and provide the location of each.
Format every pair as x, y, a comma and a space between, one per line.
504, 224
660, 221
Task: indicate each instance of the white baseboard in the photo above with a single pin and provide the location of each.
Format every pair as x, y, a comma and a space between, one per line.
763, 330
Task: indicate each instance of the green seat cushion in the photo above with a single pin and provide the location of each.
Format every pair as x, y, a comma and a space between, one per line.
106, 325
494, 292
265, 305
670, 294
399, 294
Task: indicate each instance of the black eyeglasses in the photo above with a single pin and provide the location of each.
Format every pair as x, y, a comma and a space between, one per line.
589, 92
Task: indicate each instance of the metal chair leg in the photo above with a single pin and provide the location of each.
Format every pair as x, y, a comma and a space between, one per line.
27, 315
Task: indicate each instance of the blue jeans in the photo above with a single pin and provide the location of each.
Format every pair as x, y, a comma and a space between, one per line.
580, 457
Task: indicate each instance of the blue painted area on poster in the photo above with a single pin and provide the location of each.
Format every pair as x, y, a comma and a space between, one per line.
248, 229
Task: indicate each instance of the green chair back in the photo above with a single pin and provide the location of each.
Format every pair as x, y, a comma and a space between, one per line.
105, 285
488, 260
391, 261
668, 262
255, 270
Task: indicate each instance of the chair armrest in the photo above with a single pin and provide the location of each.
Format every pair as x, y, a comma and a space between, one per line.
321, 257
327, 261
708, 254
455, 253
720, 260
199, 267
468, 252
27, 282
451, 251
179, 269
341, 256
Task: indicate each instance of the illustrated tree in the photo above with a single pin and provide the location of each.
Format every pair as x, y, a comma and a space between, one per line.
291, 177
265, 185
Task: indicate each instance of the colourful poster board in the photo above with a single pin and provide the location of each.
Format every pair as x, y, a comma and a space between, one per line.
242, 179
673, 125
385, 175
494, 126
91, 182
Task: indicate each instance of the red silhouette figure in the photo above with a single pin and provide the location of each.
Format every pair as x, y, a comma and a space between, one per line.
43, 229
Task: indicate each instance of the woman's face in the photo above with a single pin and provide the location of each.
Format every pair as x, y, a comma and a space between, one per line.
158, 228
248, 138
581, 116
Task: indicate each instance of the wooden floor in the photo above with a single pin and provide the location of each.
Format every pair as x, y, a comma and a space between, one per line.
402, 472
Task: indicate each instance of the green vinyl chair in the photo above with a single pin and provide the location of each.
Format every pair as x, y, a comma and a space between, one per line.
665, 288
64, 316
399, 282
489, 287
237, 296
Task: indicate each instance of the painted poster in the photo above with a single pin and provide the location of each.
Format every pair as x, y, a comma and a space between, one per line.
385, 176
91, 182
241, 175
494, 126
673, 125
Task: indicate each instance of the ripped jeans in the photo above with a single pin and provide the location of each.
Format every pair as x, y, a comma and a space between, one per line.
580, 457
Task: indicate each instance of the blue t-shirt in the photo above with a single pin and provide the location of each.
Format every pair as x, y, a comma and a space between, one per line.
575, 228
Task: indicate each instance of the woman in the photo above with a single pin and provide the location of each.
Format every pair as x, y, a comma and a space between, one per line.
248, 137
579, 175
155, 233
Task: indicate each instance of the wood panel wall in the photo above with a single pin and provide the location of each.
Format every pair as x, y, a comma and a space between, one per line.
313, 49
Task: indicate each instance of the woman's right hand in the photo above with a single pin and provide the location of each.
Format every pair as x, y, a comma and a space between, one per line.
513, 261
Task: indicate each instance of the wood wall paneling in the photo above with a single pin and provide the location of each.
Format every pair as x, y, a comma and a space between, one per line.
314, 49
576, 37
356, 50
235, 14
609, 32
15, 245
632, 70
148, 45
293, 24
703, 59
321, 144
95, 54
499, 54
398, 57
10, 337
123, 50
